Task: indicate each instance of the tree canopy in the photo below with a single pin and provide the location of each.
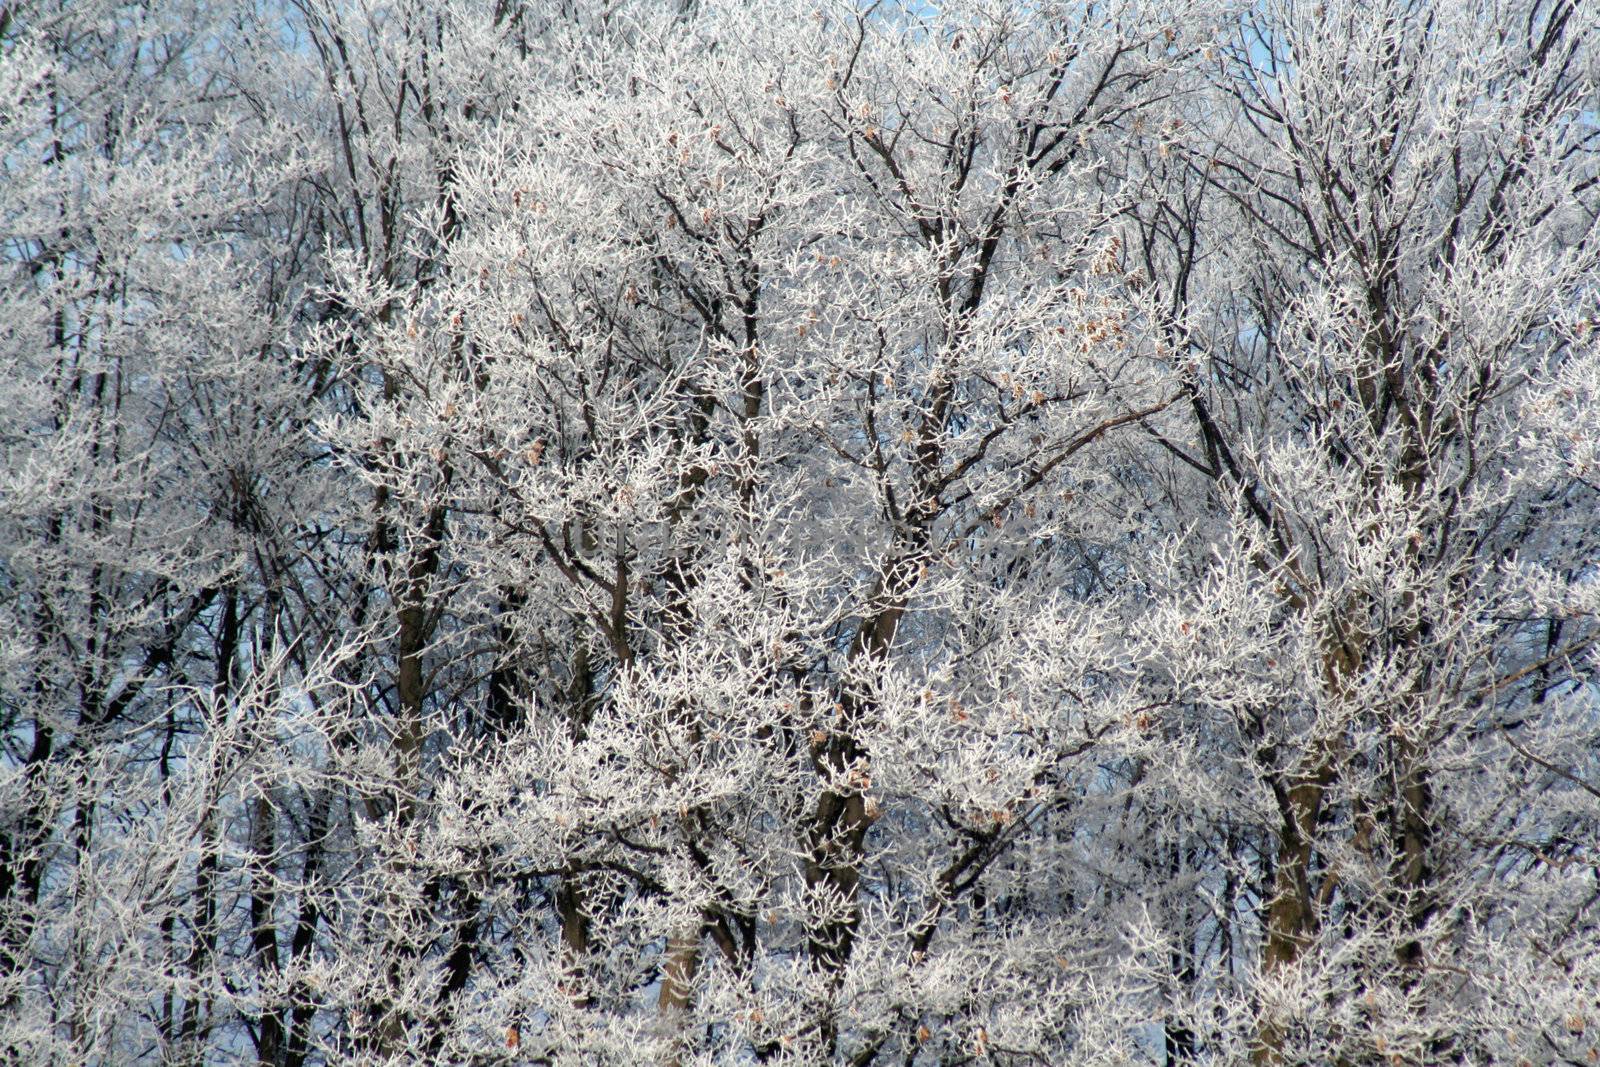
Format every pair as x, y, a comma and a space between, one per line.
632, 532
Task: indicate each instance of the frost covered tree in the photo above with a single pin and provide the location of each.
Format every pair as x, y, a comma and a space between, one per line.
1378, 288
151, 481
821, 533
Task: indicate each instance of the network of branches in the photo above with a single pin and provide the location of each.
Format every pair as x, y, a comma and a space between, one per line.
832, 532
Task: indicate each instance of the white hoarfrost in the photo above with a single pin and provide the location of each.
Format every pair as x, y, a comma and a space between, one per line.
711, 533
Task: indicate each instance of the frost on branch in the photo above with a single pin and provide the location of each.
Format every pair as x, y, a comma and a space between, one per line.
687, 534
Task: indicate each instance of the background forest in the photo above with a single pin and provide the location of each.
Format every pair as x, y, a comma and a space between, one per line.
828, 532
